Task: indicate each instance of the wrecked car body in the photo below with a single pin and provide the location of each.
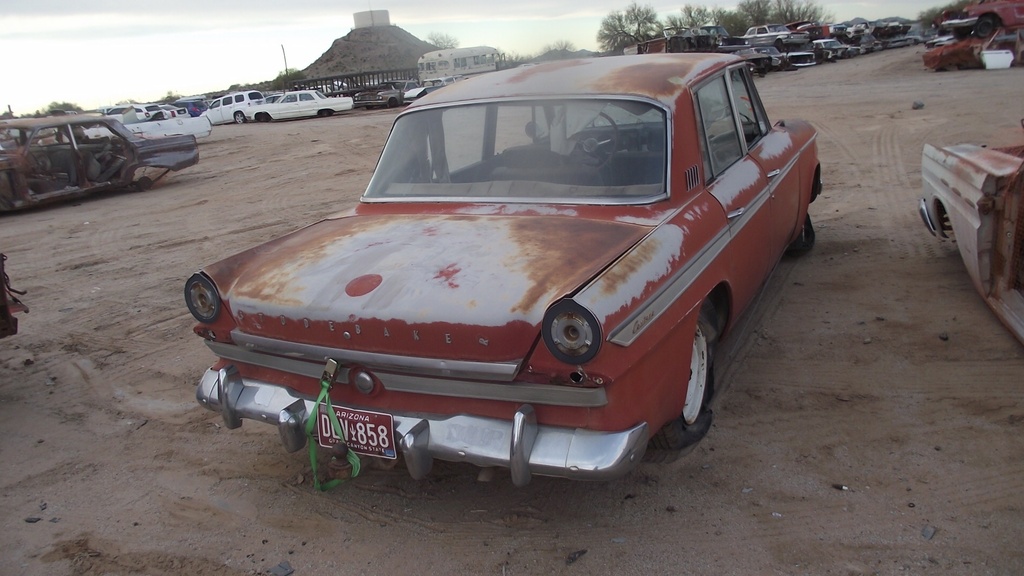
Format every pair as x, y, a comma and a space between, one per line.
534, 279
44, 160
975, 195
9, 303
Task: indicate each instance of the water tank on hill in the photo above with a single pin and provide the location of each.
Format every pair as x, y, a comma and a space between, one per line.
372, 18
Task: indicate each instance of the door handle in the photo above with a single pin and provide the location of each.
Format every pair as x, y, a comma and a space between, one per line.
774, 173
735, 213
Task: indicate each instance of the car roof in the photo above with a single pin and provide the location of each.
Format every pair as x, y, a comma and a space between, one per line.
661, 77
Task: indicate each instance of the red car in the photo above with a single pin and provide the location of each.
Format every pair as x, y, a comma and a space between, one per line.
535, 278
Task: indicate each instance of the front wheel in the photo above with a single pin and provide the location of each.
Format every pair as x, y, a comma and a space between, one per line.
239, 117
694, 422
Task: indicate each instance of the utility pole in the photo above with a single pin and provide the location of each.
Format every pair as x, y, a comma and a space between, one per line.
285, 60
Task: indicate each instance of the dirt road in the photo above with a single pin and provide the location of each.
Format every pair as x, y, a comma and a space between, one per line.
869, 363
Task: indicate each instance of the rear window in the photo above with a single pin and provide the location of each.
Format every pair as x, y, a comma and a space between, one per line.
592, 151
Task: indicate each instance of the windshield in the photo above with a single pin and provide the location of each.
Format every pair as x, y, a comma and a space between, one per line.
564, 151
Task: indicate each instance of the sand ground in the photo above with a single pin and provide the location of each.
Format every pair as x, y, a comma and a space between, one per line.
869, 363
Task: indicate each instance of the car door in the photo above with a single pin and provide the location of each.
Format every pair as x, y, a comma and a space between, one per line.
773, 149
308, 105
219, 112
737, 181
287, 107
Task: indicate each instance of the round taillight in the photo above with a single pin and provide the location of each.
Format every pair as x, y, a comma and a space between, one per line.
202, 298
571, 332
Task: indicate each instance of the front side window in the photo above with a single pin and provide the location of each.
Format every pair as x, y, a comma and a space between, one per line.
289, 98
752, 118
586, 150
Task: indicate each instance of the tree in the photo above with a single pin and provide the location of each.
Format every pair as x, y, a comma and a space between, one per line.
171, 96
928, 17
691, 16
734, 22
442, 40
559, 46
756, 12
58, 108
285, 79
785, 11
621, 29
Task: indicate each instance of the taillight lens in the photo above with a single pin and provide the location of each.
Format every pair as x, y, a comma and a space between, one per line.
202, 298
571, 332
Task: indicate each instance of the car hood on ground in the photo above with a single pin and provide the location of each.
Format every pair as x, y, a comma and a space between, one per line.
424, 285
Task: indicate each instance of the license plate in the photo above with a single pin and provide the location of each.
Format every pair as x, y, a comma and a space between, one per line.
364, 432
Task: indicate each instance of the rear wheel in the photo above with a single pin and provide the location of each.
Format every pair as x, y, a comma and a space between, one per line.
986, 25
685, 431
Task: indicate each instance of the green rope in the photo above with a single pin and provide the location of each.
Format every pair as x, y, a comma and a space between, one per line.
324, 398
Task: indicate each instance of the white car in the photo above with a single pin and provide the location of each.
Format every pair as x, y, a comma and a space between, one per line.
231, 107
775, 35
298, 104
132, 113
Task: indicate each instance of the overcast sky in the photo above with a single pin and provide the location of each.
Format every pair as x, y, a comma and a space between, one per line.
96, 52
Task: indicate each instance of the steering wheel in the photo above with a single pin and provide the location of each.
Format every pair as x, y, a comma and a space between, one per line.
598, 152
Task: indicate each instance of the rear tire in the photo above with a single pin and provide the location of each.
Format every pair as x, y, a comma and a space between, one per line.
683, 432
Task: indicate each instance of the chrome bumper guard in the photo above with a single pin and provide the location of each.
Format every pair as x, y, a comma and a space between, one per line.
521, 445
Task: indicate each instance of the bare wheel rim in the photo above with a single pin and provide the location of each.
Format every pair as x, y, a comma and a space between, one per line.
698, 377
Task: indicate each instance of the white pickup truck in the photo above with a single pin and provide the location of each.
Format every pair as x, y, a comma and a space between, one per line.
298, 104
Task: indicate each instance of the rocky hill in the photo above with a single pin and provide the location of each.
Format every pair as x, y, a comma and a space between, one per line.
368, 49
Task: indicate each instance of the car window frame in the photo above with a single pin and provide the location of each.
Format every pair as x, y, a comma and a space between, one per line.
711, 174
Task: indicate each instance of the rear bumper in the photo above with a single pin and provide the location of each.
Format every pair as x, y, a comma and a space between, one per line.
520, 444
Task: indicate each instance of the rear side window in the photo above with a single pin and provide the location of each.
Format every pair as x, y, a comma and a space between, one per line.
239, 98
306, 97
722, 142
255, 95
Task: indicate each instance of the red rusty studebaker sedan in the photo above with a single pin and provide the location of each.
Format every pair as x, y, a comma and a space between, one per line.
535, 278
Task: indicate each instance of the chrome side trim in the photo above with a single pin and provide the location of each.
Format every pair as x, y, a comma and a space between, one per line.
492, 371
509, 391
672, 290
521, 445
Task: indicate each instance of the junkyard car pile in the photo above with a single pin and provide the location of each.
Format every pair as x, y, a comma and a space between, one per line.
535, 278
985, 34
48, 159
